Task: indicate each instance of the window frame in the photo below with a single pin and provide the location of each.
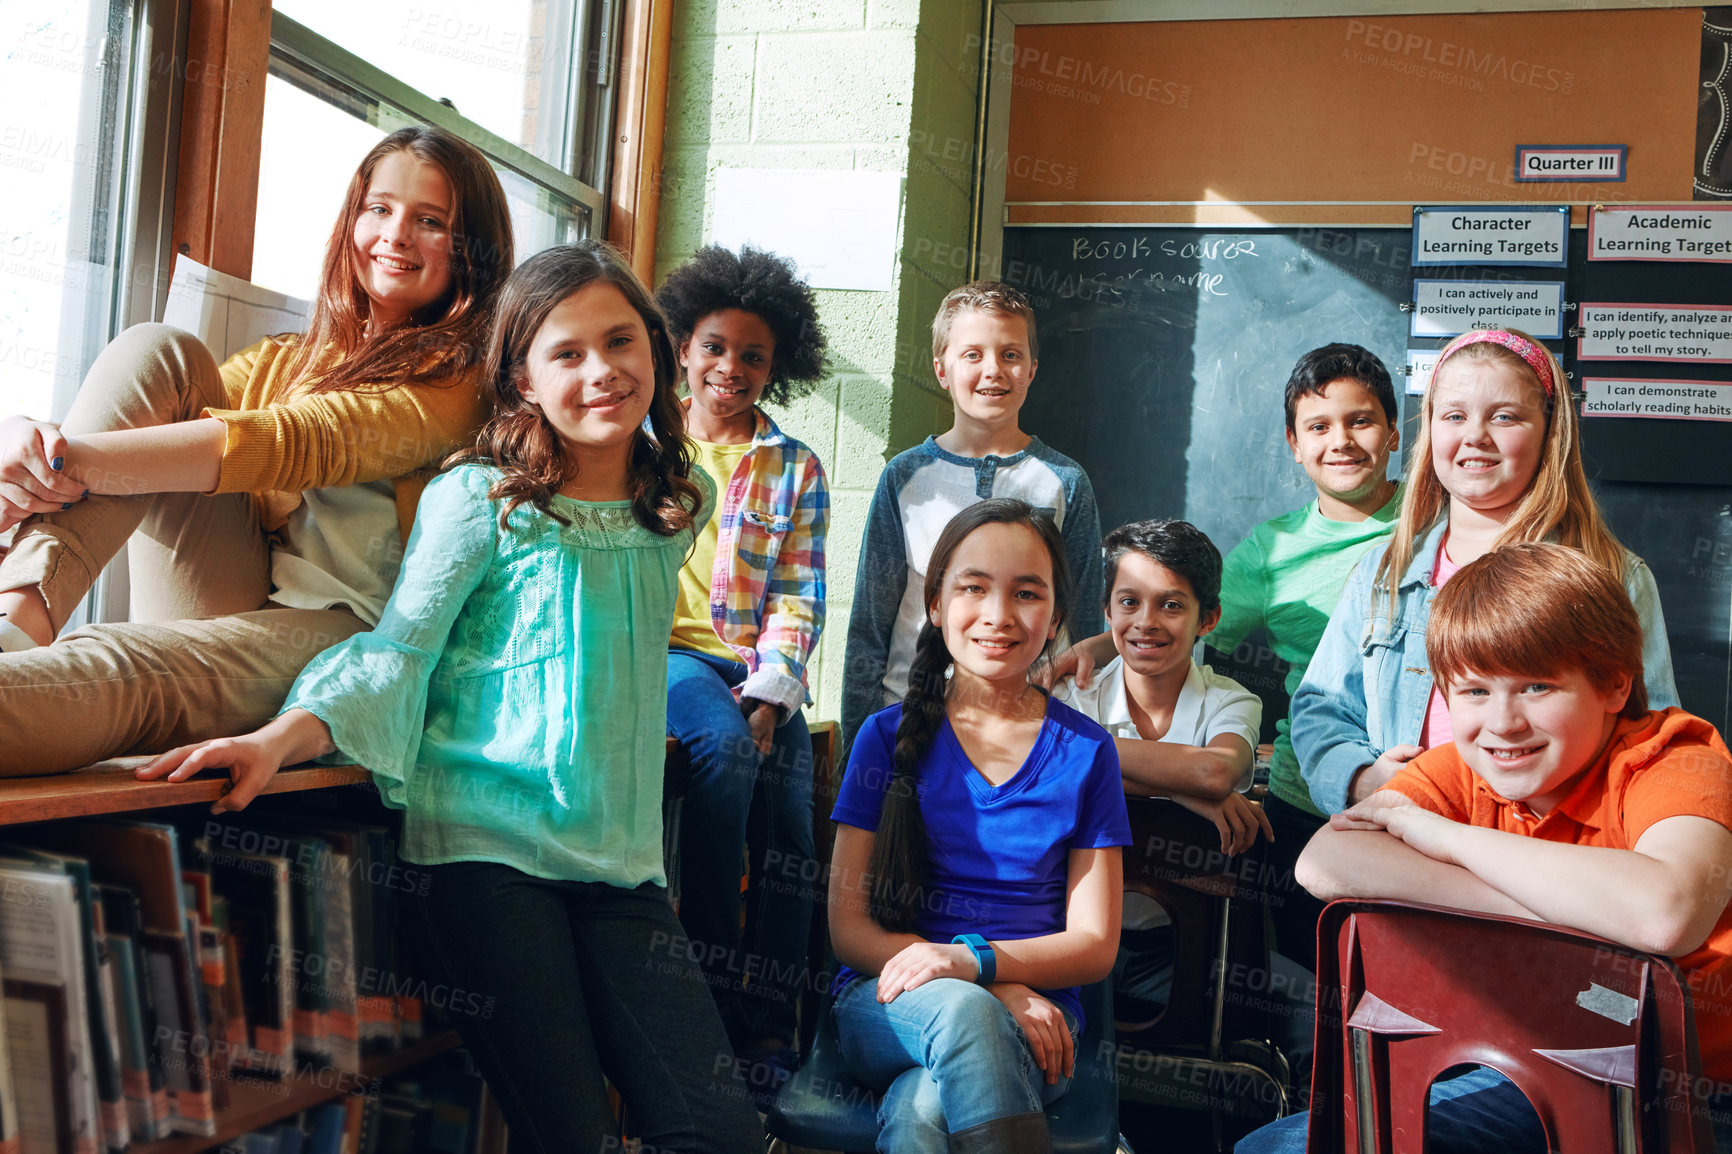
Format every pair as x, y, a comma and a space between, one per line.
129, 223
300, 56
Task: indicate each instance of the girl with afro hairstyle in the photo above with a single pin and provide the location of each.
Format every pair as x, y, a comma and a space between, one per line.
751, 606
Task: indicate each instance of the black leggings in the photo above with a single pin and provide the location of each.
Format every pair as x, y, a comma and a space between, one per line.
556, 984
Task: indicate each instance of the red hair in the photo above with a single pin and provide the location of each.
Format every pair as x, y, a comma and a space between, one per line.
1537, 610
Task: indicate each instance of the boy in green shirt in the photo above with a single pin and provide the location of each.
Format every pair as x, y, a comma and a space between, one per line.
1343, 422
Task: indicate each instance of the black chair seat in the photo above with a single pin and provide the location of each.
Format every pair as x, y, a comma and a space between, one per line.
822, 1106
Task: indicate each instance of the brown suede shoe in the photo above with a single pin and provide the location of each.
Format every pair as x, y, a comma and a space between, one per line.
1018, 1134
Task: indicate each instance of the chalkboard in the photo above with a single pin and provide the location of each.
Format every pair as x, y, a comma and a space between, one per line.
1164, 352
1684, 533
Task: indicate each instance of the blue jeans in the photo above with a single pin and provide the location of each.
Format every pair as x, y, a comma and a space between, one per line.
945, 1056
1480, 1112
740, 800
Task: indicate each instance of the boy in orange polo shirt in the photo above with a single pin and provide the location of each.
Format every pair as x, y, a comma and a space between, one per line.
1563, 799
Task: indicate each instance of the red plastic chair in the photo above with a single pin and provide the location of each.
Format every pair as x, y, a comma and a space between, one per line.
1599, 1037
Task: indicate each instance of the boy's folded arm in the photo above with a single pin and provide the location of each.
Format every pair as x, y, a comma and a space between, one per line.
1663, 897
1209, 771
1355, 863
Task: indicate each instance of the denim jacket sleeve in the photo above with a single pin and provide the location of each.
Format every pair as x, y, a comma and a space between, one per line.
1656, 648
1328, 716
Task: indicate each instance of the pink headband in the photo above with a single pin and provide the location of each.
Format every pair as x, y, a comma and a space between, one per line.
1535, 356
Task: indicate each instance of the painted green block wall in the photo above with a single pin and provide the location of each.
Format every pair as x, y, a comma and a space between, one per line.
870, 85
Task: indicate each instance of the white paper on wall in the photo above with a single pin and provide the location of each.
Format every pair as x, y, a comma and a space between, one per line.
839, 228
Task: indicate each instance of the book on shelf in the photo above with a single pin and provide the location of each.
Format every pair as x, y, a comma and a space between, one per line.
145, 857
255, 889
351, 985
11, 1137
310, 958
157, 957
330, 863
145, 1052
41, 942
186, 1066
146, 1090
36, 1042
135, 1064
326, 1126
115, 1127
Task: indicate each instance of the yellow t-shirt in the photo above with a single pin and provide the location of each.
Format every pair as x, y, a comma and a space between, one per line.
693, 628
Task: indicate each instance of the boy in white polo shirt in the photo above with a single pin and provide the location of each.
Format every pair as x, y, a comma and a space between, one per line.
1163, 592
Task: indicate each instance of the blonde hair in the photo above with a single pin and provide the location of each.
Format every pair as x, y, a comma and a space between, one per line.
1557, 504
982, 296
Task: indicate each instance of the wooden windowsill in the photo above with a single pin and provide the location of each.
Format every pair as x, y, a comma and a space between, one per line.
109, 787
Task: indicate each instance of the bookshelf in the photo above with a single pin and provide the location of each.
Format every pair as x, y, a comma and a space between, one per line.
109, 788
254, 1105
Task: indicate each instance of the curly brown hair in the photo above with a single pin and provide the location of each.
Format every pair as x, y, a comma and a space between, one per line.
519, 439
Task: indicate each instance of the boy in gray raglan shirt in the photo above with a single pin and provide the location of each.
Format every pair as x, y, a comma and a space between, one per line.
983, 351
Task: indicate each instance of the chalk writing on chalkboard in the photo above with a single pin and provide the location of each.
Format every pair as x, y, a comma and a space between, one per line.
1164, 353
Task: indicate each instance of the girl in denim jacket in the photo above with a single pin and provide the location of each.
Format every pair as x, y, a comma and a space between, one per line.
750, 609
1497, 461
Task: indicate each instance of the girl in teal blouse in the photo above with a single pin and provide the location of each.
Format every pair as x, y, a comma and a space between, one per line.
512, 701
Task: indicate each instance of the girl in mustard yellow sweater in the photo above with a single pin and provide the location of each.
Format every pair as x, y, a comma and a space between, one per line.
266, 502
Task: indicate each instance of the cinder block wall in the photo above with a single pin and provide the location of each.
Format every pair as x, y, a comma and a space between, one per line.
875, 85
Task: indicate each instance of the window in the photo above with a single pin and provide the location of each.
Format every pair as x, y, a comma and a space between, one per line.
89, 93
491, 76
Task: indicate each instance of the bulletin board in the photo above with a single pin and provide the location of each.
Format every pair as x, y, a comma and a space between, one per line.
1334, 120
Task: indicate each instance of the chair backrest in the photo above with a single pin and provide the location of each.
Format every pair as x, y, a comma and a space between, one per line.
1598, 1036
826, 780
1175, 858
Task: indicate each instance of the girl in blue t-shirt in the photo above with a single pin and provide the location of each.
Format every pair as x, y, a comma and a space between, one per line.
976, 880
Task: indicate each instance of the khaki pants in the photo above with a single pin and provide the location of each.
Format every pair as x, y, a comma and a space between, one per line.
206, 654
